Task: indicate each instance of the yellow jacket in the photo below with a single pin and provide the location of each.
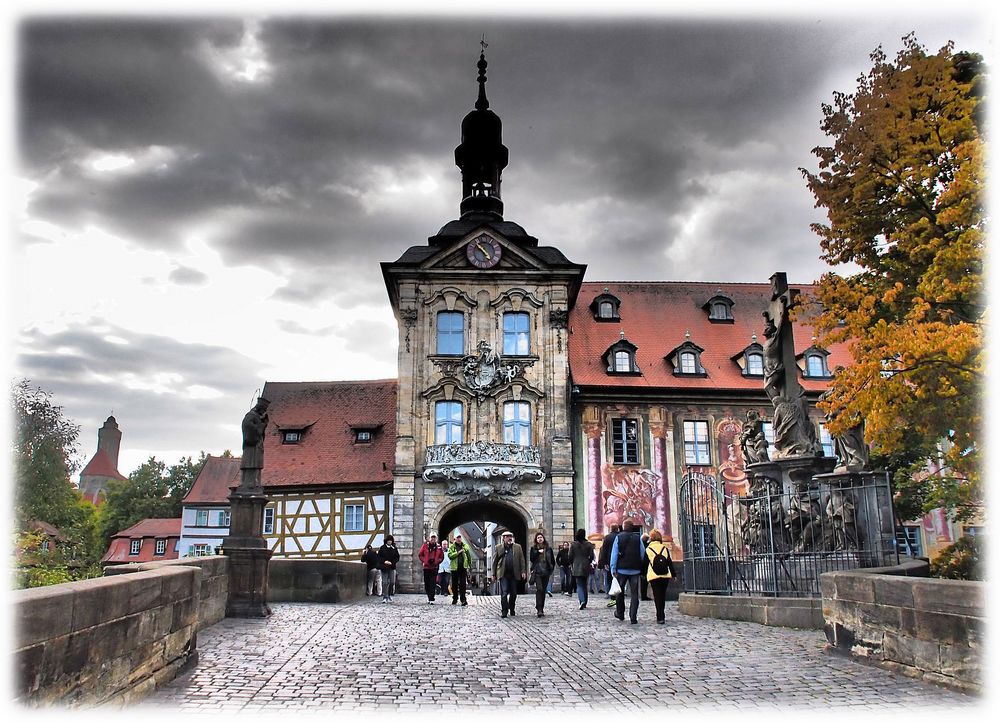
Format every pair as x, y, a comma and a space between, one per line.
652, 549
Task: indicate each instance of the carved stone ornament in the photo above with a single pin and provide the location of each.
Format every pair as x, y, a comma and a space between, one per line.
408, 315
559, 318
485, 371
481, 489
483, 462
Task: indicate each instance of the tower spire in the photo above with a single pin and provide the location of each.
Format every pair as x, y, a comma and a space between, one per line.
481, 102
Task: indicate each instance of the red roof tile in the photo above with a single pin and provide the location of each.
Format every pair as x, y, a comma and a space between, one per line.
655, 317
327, 453
147, 530
100, 465
216, 478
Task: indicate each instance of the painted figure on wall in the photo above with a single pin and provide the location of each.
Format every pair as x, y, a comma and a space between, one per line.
629, 494
732, 467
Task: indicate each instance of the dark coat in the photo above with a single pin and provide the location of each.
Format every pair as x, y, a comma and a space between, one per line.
543, 561
520, 567
604, 560
562, 558
388, 554
371, 560
581, 556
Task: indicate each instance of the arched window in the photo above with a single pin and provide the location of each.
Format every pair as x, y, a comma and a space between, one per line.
451, 333
689, 363
606, 309
623, 361
517, 423
755, 364
816, 365
516, 334
448, 419
720, 310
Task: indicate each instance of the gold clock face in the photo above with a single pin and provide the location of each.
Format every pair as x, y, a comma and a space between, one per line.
483, 251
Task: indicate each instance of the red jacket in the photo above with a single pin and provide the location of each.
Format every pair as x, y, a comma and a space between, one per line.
431, 558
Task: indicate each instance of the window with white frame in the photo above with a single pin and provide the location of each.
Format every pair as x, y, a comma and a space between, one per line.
517, 423
625, 441
606, 309
623, 361
161, 547
269, 520
516, 334
448, 421
908, 541
362, 436
47, 545
696, 448
826, 441
134, 546
200, 550
451, 333
755, 364
201, 517
689, 363
291, 437
222, 518
354, 517
768, 428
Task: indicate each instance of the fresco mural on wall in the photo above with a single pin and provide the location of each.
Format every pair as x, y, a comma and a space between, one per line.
629, 494
732, 467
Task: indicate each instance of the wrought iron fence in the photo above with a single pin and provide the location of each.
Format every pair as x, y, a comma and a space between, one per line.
777, 540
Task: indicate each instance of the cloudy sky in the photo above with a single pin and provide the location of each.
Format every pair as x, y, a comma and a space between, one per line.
201, 203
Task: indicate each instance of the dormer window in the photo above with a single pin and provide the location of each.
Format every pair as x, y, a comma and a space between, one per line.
291, 437
620, 358
362, 436
813, 363
605, 307
686, 360
720, 308
751, 359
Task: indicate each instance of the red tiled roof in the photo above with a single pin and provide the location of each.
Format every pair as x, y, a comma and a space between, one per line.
148, 530
327, 453
152, 527
216, 478
655, 317
100, 465
46, 529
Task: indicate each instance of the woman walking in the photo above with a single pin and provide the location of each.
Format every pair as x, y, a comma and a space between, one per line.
660, 571
543, 562
581, 560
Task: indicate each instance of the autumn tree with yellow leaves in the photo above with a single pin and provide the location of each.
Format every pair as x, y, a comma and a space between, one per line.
902, 185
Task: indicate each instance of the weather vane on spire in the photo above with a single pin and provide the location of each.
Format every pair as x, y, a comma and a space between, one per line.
483, 43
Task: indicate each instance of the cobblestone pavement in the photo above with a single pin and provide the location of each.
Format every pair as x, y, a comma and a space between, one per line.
402, 657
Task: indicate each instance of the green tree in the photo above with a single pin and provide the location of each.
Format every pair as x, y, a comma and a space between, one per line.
153, 491
902, 188
45, 451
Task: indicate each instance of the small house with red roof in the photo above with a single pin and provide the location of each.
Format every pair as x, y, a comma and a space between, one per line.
205, 508
103, 466
150, 540
328, 460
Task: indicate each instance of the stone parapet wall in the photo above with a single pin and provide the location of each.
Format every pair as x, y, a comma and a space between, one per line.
214, 582
107, 640
315, 580
800, 613
933, 629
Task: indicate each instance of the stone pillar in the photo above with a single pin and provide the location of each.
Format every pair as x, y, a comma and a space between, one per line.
592, 496
247, 549
659, 429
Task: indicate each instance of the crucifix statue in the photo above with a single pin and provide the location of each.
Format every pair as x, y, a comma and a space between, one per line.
794, 434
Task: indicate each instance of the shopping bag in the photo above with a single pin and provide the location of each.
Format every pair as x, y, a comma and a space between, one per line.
615, 588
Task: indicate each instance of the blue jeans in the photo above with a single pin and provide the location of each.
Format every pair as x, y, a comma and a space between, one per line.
388, 583
581, 589
508, 594
565, 580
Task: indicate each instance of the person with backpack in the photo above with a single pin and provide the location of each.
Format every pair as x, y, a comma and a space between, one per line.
626, 566
543, 563
660, 572
581, 560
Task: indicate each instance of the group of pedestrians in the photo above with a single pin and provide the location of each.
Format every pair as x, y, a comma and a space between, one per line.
635, 563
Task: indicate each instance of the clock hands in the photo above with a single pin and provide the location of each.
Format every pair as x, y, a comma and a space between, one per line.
489, 256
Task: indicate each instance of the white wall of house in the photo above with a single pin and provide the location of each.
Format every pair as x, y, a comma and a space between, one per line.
203, 528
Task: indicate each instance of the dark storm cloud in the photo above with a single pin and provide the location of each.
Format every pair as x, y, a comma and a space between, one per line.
184, 276
91, 375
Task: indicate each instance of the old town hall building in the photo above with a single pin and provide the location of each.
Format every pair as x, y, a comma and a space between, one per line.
525, 396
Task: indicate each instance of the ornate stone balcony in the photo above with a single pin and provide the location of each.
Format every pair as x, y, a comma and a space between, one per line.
483, 468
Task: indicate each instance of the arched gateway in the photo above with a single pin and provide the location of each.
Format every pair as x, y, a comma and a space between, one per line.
483, 418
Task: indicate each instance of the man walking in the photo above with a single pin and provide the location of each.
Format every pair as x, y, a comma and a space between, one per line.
444, 569
510, 569
461, 561
626, 565
430, 555
604, 560
373, 585
565, 576
388, 554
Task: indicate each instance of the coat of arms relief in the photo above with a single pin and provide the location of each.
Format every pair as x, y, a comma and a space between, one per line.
484, 370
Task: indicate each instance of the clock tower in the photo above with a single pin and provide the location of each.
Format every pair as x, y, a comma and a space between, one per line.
483, 422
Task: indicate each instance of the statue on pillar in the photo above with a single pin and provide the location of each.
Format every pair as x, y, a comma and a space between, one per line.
752, 439
794, 434
254, 427
850, 447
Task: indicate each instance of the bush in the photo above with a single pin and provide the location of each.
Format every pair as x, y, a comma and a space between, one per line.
961, 560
